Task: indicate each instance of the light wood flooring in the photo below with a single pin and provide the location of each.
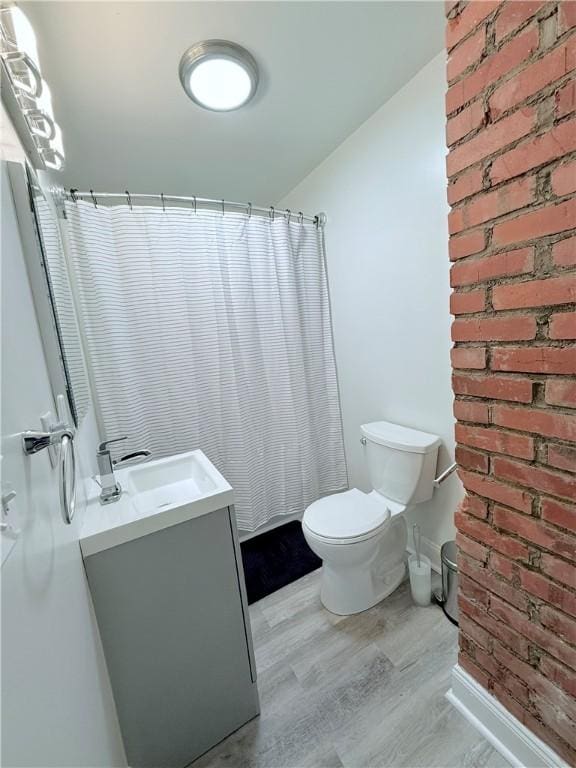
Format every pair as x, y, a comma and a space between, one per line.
364, 691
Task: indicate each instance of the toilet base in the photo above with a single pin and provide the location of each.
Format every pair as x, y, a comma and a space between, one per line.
345, 593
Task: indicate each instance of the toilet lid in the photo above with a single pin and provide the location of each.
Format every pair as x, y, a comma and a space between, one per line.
348, 515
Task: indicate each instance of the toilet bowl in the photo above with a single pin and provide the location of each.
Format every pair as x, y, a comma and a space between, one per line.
361, 537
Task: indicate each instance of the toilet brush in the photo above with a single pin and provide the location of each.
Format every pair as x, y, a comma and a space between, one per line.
416, 536
419, 568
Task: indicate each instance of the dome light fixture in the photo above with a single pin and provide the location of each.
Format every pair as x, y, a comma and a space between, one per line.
219, 75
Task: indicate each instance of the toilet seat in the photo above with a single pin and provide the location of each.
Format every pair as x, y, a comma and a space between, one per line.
346, 518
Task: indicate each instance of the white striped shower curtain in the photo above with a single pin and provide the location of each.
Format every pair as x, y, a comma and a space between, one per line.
213, 331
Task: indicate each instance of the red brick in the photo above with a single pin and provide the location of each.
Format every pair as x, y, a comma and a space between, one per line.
558, 624
472, 548
466, 21
473, 592
559, 674
455, 221
474, 505
474, 670
465, 303
466, 54
503, 566
539, 421
478, 462
559, 513
491, 140
563, 324
564, 179
468, 357
566, 15
465, 410
534, 152
497, 629
492, 69
449, 6
536, 682
520, 623
535, 478
562, 749
465, 245
515, 328
492, 582
465, 185
534, 359
491, 205
465, 122
534, 77
562, 457
497, 491
544, 221
548, 591
496, 440
558, 569
564, 252
507, 264
512, 15
504, 697
484, 533
566, 99
495, 387
562, 392
533, 530
535, 293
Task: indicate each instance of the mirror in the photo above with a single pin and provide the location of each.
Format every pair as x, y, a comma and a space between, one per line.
61, 297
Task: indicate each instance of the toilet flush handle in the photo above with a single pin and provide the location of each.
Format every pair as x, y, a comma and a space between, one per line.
447, 472
363, 440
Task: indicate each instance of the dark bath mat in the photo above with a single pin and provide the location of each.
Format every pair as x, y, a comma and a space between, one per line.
276, 558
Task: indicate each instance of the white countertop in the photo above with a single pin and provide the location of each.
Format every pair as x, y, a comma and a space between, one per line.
108, 525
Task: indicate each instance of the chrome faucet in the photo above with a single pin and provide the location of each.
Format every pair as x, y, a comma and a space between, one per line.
111, 488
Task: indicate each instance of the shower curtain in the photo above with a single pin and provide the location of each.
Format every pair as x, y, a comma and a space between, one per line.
213, 331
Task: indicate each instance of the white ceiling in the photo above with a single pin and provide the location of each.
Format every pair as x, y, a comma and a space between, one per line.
127, 123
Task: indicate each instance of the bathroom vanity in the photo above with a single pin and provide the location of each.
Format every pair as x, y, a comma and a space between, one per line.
165, 573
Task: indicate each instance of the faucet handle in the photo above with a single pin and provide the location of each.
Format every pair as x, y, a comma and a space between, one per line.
104, 446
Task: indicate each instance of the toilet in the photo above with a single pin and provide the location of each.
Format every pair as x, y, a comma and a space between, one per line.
361, 537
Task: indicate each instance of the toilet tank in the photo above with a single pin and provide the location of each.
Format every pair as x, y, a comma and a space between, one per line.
401, 461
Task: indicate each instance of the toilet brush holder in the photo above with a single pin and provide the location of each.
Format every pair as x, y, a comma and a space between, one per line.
420, 579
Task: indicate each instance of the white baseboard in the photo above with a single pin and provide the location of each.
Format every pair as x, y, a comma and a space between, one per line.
432, 552
519, 746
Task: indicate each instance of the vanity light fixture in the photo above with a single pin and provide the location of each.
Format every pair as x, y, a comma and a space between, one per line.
219, 75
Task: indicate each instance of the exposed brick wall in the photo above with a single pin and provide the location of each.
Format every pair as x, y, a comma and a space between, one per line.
511, 128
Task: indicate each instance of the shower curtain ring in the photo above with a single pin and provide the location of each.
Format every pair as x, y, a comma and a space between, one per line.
289, 212
129, 199
195, 205
73, 195
93, 196
222, 201
272, 213
162, 199
301, 218
249, 210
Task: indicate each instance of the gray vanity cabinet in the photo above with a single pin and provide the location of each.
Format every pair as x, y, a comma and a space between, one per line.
172, 614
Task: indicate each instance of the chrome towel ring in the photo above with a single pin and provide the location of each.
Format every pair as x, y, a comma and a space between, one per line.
67, 473
34, 442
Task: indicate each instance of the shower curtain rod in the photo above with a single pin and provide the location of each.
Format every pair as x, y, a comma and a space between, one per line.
201, 202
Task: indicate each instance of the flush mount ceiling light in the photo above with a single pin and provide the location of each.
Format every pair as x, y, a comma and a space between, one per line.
219, 75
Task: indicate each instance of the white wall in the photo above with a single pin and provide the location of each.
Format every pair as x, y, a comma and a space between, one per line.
384, 191
57, 705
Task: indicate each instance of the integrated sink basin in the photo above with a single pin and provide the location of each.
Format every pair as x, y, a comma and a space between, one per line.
156, 495
172, 481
